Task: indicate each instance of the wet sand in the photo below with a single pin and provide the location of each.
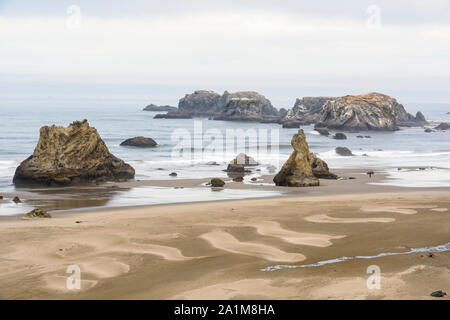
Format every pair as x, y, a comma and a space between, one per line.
216, 250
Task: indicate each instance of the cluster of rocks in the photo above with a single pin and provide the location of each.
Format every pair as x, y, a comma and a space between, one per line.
65, 156
441, 127
371, 111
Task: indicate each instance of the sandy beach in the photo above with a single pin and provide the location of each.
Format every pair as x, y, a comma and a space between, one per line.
217, 250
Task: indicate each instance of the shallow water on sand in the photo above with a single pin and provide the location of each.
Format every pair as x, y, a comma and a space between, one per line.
55, 200
439, 248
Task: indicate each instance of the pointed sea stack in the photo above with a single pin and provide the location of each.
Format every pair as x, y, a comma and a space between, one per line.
297, 170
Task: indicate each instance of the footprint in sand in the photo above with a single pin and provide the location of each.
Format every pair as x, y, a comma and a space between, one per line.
395, 209
323, 218
225, 241
273, 229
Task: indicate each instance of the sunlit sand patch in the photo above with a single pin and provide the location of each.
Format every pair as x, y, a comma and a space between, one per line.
248, 288
167, 253
225, 241
409, 209
104, 267
440, 209
106, 243
323, 218
59, 283
273, 229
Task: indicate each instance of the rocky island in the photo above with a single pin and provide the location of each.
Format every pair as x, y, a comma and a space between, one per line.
371, 111
242, 105
66, 156
154, 107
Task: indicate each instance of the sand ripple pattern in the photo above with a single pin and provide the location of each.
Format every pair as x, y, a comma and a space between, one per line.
396, 209
225, 241
273, 229
324, 218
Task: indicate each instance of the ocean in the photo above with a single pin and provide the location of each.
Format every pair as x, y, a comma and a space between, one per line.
185, 146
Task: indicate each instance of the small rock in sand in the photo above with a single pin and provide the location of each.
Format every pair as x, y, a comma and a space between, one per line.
216, 182
254, 179
36, 213
438, 294
238, 179
17, 200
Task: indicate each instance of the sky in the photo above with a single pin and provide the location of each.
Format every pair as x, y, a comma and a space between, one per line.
283, 49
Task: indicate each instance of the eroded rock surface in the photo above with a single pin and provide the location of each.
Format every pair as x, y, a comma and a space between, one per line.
65, 156
297, 170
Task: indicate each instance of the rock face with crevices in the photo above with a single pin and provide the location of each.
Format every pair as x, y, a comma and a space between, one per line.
372, 111
306, 110
320, 168
246, 106
66, 156
297, 170
200, 103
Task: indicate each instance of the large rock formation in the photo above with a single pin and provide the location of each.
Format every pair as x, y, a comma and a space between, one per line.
306, 110
353, 113
65, 156
297, 170
247, 109
372, 111
242, 105
154, 107
200, 103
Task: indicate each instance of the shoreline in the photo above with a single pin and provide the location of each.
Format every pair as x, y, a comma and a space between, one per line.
100, 195
215, 250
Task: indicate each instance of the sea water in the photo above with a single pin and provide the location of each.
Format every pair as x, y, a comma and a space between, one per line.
117, 119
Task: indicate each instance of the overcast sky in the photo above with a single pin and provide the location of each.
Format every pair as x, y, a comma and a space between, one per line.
284, 48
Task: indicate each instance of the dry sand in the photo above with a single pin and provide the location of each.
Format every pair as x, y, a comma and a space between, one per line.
217, 249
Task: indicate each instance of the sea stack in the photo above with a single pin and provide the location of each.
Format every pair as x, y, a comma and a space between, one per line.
66, 156
297, 170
